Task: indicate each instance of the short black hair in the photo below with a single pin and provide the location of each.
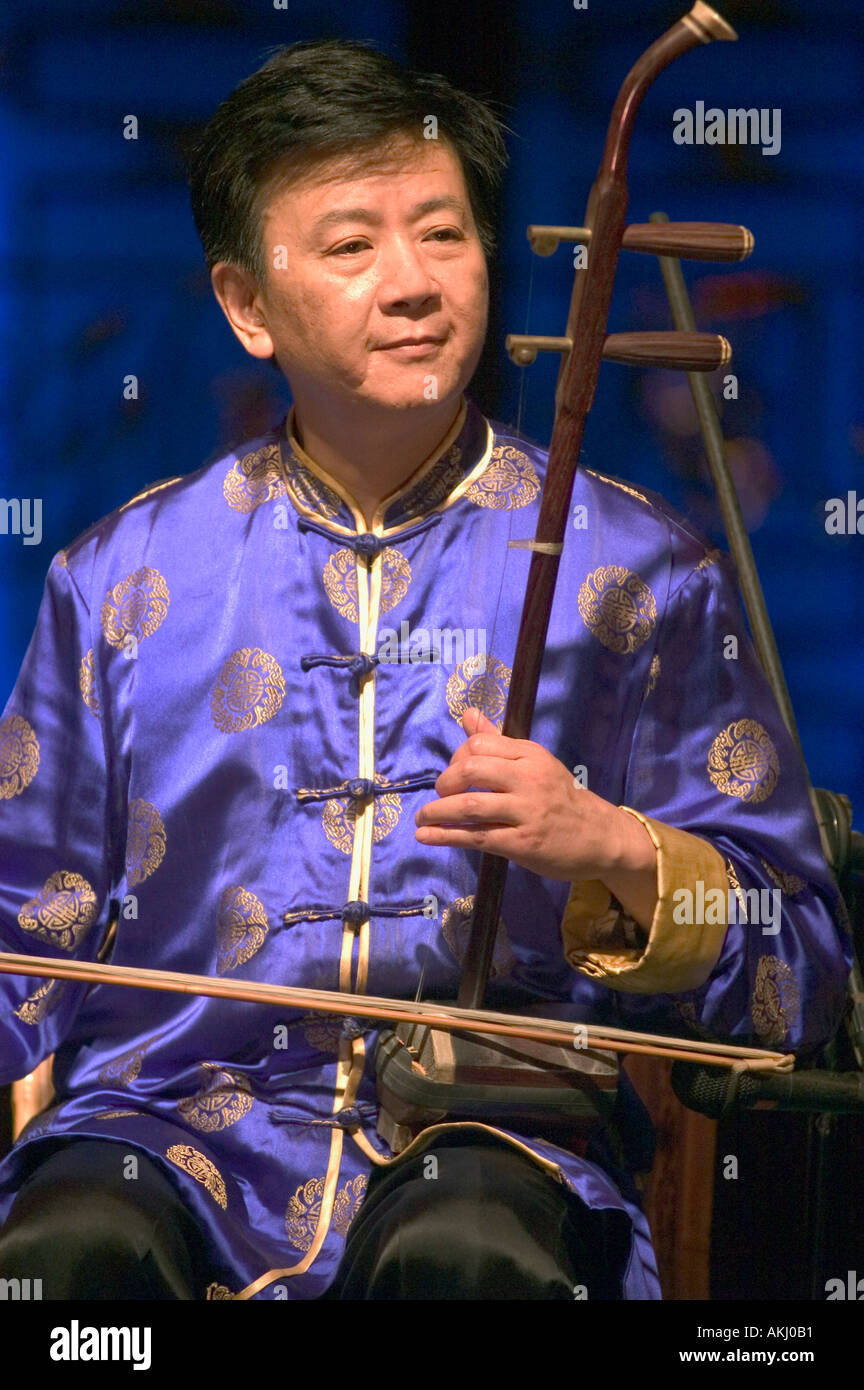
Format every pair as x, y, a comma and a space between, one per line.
316, 100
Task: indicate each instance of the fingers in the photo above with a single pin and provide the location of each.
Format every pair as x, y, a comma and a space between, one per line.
486, 808
474, 721
485, 738
489, 774
489, 838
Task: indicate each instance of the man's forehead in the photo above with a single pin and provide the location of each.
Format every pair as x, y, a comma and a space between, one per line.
330, 181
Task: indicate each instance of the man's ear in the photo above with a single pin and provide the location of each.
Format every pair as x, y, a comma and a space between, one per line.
239, 300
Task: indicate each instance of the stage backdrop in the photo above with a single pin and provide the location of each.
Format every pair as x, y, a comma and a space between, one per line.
102, 276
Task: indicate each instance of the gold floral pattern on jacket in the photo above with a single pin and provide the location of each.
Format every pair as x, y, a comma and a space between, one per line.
87, 684
509, 481
19, 755
253, 479
124, 1069
788, 883
340, 581
340, 815
62, 912
250, 690
135, 607
479, 682
743, 762
347, 1203
322, 1031
145, 841
304, 1209
42, 1002
223, 1099
776, 1001
241, 927
456, 926
618, 607
199, 1167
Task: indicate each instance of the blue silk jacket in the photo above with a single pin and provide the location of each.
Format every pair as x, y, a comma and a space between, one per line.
235, 700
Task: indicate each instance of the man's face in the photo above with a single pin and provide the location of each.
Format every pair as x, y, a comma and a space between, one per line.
374, 257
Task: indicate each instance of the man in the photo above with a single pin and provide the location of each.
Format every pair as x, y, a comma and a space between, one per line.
216, 740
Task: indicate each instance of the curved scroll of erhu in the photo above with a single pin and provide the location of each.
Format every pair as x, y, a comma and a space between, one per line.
584, 344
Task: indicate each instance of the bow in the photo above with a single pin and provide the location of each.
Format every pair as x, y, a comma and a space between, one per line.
443, 1016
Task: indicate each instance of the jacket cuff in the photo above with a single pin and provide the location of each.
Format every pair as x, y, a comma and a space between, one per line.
601, 941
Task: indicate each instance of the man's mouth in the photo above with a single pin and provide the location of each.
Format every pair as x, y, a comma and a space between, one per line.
412, 347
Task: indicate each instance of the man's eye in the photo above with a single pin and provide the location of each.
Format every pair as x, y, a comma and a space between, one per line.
348, 246
449, 233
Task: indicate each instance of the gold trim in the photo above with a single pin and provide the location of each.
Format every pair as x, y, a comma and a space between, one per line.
677, 957
377, 528
365, 1147
425, 468
369, 592
321, 1230
342, 492
470, 479
349, 1071
149, 491
613, 482
554, 1170
351, 1053
324, 477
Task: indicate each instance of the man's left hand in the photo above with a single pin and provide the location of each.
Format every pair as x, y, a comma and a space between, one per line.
511, 797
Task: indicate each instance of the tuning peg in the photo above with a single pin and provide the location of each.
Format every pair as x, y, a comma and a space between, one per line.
544, 240
524, 347
692, 241
686, 352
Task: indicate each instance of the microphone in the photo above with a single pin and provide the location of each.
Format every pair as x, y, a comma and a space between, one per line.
823, 1092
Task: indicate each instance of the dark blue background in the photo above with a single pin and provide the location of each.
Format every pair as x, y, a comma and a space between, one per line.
102, 274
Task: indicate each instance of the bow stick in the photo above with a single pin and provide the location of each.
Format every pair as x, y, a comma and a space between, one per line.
443, 1016
584, 345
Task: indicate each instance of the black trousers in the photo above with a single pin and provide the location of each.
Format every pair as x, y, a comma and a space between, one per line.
489, 1224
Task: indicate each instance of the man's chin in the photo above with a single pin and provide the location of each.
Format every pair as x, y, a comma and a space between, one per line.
413, 395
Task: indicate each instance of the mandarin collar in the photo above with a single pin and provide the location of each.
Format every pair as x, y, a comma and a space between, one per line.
315, 492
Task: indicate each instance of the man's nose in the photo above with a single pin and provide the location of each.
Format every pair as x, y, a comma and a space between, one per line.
405, 277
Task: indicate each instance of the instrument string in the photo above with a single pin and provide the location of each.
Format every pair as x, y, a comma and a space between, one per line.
522, 372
